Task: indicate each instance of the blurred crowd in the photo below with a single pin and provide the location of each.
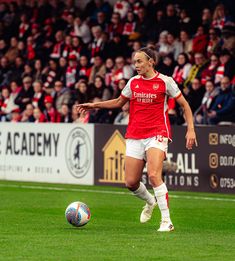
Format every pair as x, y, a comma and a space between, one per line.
54, 55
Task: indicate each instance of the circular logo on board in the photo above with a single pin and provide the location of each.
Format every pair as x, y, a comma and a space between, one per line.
78, 152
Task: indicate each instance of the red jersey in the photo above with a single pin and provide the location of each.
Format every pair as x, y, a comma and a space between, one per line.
148, 105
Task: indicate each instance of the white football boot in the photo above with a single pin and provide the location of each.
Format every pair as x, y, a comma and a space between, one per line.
166, 226
146, 213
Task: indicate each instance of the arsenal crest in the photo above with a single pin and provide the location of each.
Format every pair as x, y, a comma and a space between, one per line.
155, 86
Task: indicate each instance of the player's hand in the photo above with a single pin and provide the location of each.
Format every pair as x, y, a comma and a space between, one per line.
82, 108
191, 139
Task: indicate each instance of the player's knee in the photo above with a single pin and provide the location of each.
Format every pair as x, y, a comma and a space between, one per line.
154, 178
132, 184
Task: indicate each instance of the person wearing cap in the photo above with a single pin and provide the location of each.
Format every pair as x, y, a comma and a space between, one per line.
51, 115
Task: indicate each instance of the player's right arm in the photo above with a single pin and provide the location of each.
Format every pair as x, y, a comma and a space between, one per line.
110, 104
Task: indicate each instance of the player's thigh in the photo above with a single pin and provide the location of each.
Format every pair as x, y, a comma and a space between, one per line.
133, 170
155, 159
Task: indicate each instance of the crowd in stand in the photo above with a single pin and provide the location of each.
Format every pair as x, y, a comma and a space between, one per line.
54, 55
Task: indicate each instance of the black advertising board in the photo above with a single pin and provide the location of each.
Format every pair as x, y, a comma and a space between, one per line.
208, 168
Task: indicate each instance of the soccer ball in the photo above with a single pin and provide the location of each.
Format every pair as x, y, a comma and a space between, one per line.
78, 214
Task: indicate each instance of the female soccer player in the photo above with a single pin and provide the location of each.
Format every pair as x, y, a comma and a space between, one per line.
148, 131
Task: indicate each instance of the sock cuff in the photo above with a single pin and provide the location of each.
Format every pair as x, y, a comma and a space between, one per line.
140, 189
160, 190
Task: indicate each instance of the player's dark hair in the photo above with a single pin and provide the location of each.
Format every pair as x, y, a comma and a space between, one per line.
150, 53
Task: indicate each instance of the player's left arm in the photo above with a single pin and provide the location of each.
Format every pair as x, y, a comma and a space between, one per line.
191, 139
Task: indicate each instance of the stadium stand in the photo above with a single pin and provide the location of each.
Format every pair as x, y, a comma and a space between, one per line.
55, 54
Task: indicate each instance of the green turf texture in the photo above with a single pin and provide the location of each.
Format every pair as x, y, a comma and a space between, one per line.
33, 226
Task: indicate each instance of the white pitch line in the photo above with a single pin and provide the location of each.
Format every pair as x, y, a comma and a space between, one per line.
111, 192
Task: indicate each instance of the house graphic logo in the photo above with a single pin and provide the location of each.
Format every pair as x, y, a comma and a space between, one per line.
113, 155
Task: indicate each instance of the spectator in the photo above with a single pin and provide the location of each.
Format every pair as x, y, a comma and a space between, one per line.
185, 22
209, 72
200, 41
18, 69
96, 45
14, 91
84, 68
39, 95
65, 115
206, 18
25, 95
15, 116
226, 67
109, 66
167, 65
186, 42
123, 117
31, 49
6, 73
67, 46
171, 21
24, 28
117, 91
214, 44
195, 94
116, 26
28, 71
121, 70
99, 90
181, 70
22, 52
143, 25
129, 28
13, 51
50, 74
200, 114
99, 116
4, 100
37, 76
162, 45
80, 93
38, 116
219, 17
196, 69
50, 113
59, 45
223, 109
71, 75
3, 48
174, 47
102, 21
62, 95
27, 115
77, 47
82, 30
97, 69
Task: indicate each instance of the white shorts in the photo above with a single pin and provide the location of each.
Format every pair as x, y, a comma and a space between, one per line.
137, 148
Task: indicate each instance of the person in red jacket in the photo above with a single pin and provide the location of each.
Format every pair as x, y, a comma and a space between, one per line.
51, 115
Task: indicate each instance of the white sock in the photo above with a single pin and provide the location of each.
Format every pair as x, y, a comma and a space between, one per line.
144, 194
161, 194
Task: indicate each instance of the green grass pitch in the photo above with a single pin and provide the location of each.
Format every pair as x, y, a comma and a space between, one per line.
33, 226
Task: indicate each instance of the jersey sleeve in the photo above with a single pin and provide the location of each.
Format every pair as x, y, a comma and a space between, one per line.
126, 92
172, 88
